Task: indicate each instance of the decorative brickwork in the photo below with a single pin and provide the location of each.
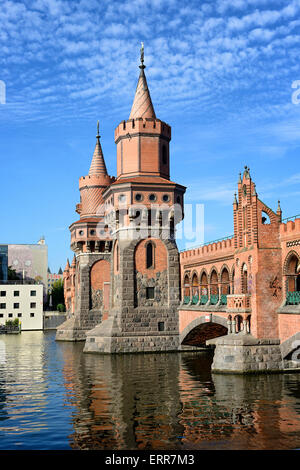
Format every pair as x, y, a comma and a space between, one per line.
129, 290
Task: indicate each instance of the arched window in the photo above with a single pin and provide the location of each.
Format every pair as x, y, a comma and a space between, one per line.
204, 284
244, 279
265, 219
225, 282
214, 283
293, 272
214, 288
186, 289
195, 289
149, 255
238, 323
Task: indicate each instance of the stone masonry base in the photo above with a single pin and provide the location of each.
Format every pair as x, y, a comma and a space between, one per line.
70, 331
107, 338
244, 354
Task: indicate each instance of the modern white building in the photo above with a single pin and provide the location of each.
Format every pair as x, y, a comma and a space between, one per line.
22, 301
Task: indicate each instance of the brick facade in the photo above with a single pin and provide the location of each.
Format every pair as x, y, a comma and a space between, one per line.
128, 289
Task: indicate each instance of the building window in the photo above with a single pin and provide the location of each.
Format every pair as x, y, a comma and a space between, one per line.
122, 198
1, 315
3, 293
19, 315
16, 305
164, 155
32, 305
16, 293
32, 314
33, 293
149, 256
2, 305
152, 197
161, 326
138, 197
149, 292
10, 315
166, 197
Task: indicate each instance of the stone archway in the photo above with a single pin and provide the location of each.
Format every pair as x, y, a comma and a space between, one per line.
202, 329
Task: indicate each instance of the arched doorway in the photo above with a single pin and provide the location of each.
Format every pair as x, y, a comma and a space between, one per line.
100, 287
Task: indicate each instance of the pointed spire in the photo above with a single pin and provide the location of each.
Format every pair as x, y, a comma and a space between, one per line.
142, 106
67, 265
98, 166
235, 199
279, 211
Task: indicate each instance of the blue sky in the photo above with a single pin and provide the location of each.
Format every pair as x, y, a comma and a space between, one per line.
220, 73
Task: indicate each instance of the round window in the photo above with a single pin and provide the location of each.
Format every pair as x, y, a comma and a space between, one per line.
122, 198
92, 232
81, 232
138, 197
166, 198
152, 197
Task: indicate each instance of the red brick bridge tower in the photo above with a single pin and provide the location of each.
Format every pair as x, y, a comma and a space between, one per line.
142, 206
87, 280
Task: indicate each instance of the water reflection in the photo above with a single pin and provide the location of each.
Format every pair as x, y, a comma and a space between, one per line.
171, 401
52, 396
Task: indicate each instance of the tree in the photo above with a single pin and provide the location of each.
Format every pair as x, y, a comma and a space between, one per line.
58, 293
12, 275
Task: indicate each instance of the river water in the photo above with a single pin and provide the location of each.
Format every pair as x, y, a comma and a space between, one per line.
54, 396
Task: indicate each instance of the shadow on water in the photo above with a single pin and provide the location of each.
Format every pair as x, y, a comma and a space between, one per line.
53, 396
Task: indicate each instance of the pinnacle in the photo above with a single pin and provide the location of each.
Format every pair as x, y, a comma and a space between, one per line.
98, 166
142, 106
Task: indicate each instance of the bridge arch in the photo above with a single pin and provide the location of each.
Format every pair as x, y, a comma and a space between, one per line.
200, 330
291, 347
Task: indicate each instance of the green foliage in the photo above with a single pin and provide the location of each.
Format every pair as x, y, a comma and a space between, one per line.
12, 274
61, 308
58, 294
12, 323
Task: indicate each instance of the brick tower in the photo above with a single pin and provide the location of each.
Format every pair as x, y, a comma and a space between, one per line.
87, 280
257, 259
142, 207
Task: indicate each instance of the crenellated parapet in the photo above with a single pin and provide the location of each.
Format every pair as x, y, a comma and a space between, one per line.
148, 126
211, 250
290, 229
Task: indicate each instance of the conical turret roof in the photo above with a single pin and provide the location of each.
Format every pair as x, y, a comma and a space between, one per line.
142, 106
98, 166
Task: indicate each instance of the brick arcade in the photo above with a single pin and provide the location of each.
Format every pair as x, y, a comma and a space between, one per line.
128, 289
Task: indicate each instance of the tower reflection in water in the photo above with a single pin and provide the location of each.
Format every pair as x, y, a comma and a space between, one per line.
171, 401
